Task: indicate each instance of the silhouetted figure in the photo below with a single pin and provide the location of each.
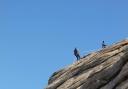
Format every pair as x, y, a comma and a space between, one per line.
103, 44
76, 53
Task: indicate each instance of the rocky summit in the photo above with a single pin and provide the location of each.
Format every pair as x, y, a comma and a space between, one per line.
103, 69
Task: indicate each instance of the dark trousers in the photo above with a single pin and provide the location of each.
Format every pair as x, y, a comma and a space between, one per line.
78, 57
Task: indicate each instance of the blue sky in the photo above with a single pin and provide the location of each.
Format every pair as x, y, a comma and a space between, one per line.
37, 37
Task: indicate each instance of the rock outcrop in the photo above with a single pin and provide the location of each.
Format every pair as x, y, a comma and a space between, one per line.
104, 69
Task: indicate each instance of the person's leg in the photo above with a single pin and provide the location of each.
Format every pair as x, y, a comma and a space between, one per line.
79, 57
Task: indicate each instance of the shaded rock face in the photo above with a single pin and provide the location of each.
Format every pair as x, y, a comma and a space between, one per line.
104, 69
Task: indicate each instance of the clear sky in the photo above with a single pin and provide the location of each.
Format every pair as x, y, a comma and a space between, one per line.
37, 37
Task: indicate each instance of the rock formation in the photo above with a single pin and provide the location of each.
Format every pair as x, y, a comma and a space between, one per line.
104, 69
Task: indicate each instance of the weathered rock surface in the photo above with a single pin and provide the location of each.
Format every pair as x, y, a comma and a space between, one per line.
104, 69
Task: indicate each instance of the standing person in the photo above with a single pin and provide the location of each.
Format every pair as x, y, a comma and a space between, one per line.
103, 44
76, 53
